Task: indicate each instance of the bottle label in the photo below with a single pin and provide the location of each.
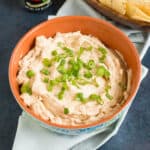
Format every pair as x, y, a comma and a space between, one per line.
37, 5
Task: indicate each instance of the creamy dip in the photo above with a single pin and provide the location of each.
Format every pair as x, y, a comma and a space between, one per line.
73, 79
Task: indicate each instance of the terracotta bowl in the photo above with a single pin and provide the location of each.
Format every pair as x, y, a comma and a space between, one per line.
107, 33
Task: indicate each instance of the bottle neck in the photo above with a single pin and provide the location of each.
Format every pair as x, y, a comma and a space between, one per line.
37, 5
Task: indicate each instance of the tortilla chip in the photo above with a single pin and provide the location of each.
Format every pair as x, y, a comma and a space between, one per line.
106, 2
119, 6
136, 13
145, 9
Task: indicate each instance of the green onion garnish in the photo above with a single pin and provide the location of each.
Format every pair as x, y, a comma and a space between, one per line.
100, 101
66, 110
54, 52
96, 98
90, 64
102, 58
107, 88
57, 58
100, 71
89, 48
80, 52
64, 86
88, 74
30, 73
46, 62
46, 80
109, 96
61, 93
82, 81
45, 71
61, 69
68, 51
79, 97
51, 84
104, 52
103, 72
107, 74
62, 62
74, 83
25, 88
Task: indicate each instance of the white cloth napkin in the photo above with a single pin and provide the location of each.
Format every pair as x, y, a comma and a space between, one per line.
31, 136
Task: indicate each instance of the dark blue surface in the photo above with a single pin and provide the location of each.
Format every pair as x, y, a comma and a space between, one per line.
14, 22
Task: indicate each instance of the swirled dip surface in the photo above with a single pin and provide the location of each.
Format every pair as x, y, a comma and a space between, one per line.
73, 79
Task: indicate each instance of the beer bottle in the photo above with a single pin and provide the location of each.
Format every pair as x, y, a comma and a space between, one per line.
37, 5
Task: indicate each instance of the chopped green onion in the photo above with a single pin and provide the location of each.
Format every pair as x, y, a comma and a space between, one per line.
45, 71
109, 96
64, 86
71, 61
64, 78
62, 62
66, 111
46, 62
102, 50
68, 51
107, 88
80, 52
75, 66
103, 72
80, 62
51, 84
89, 48
30, 73
74, 83
88, 74
94, 97
57, 58
107, 74
82, 81
75, 70
102, 58
100, 101
46, 80
54, 52
25, 88
79, 97
91, 64
61, 69
61, 93
100, 71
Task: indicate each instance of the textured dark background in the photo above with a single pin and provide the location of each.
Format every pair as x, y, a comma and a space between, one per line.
14, 22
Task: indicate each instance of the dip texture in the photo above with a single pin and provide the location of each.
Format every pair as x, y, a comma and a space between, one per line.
73, 79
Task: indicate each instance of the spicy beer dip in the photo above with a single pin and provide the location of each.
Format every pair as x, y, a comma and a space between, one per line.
73, 79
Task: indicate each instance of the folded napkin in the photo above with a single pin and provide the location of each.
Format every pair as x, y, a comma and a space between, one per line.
31, 136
